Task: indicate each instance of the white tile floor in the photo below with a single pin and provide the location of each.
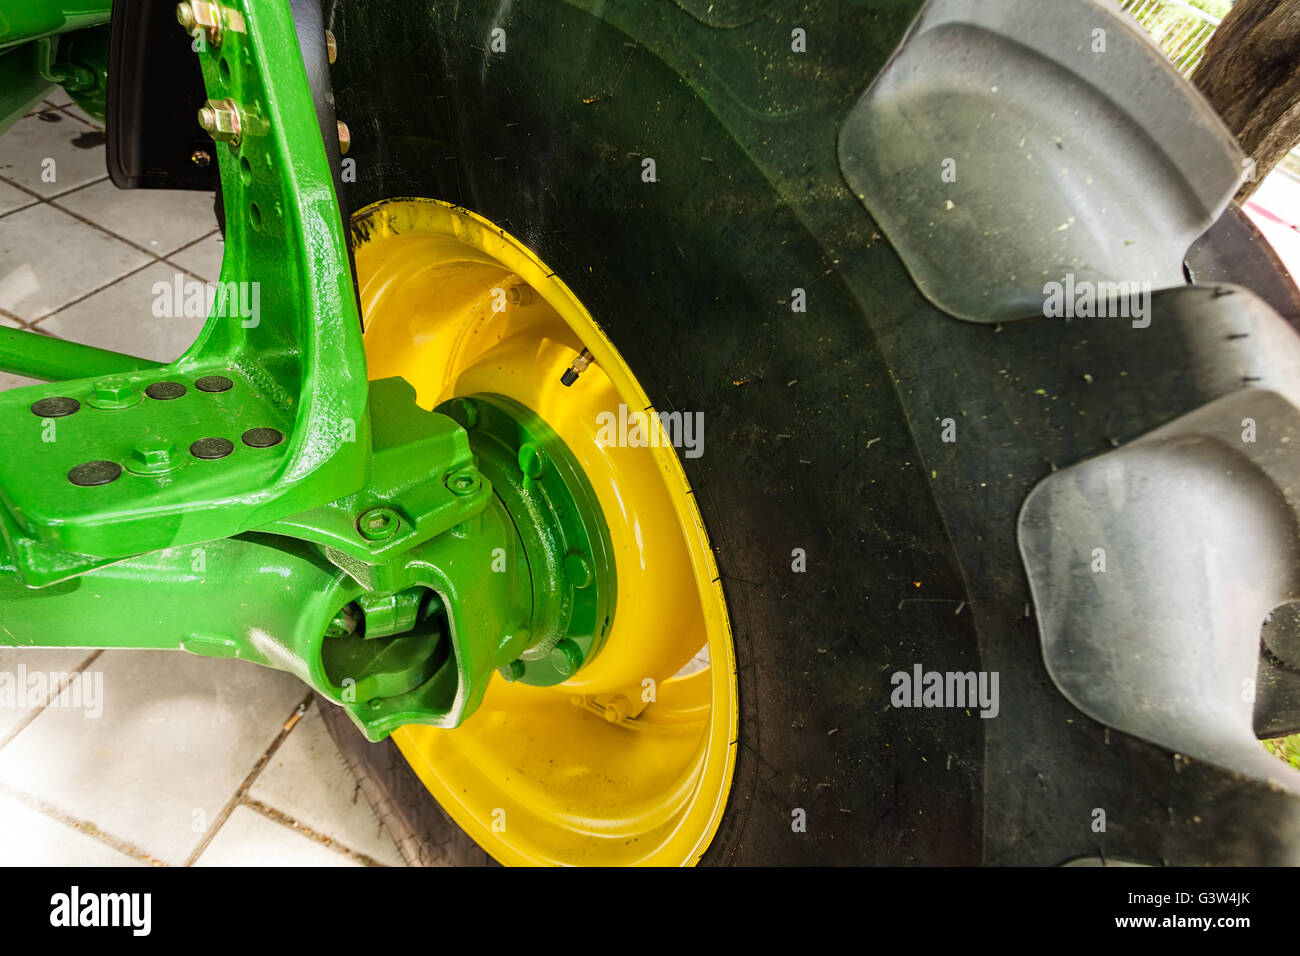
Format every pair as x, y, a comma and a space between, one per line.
191, 762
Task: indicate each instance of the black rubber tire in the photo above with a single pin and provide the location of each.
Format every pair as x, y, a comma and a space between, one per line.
424, 834
822, 427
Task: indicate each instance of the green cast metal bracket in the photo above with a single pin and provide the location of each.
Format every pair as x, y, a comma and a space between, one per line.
400, 621
56, 360
284, 333
259, 499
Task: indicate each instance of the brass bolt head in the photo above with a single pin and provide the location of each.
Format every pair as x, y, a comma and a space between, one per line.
345, 138
220, 118
195, 15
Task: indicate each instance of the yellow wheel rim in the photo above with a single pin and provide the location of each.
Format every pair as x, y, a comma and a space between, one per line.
630, 761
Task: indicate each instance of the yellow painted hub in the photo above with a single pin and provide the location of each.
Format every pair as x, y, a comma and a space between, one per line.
630, 761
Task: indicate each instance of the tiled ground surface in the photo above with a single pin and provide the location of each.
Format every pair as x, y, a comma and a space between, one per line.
190, 761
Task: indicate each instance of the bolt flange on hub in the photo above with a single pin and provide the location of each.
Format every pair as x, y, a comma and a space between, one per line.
564, 535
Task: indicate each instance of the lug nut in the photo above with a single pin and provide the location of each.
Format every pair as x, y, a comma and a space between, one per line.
220, 119
114, 393
345, 138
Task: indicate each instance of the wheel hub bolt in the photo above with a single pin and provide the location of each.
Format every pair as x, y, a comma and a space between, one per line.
566, 657
577, 569
532, 461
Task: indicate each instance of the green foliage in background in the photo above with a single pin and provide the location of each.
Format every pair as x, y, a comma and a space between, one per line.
1285, 748
1215, 8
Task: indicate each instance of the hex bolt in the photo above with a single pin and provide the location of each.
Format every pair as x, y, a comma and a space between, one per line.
153, 458
378, 524
345, 138
114, 393
512, 671
566, 657
331, 46
576, 368
221, 120
195, 15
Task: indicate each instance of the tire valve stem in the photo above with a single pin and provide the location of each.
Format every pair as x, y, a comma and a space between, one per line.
577, 368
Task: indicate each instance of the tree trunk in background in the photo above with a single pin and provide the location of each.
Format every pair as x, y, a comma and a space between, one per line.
1250, 73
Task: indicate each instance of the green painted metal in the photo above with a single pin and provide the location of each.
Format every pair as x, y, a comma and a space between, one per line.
21, 84
284, 329
24, 20
408, 629
79, 63
43, 42
56, 360
563, 532
259, 499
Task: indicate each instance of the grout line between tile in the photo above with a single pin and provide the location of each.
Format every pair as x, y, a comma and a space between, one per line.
16, 318
84, 827
271, 813
21, 188
27, 719
190, 272
35, 323
91, 222
244, 787
76, 189
73, 105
